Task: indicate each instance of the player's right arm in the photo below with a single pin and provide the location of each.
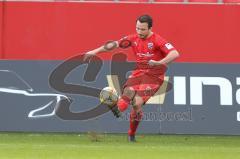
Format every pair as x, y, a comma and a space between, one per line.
123, 43
108, 46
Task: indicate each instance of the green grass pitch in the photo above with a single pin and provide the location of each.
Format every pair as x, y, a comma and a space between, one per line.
109, 146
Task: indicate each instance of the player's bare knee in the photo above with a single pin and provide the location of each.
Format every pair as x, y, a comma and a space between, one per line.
138, 100
128, 91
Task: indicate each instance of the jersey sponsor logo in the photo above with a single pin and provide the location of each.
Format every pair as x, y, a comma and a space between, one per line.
169, 46
147, 54
150, 46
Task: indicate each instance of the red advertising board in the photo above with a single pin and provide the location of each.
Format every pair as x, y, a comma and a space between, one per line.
1, 29
56, 31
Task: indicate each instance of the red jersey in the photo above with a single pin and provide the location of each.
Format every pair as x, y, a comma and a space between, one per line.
152, 48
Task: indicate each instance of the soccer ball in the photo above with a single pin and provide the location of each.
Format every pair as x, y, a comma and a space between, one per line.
108, 96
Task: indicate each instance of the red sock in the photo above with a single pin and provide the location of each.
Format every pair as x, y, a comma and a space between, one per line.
123, 103
135, 119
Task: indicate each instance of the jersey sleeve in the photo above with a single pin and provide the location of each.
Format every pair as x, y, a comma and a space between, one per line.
126, 41
164, 46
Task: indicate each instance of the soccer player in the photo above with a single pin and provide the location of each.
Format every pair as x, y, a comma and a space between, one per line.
153, 54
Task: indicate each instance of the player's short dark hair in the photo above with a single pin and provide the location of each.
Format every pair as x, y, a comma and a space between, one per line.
146, 19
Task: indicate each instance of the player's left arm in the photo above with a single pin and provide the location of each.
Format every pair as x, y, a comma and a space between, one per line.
170, 57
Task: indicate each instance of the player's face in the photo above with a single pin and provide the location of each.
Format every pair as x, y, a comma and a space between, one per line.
142, 30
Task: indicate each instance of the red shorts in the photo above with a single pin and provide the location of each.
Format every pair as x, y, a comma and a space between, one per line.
144, 84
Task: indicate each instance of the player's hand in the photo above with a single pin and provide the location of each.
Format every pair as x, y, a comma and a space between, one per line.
88, 55
153, 63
